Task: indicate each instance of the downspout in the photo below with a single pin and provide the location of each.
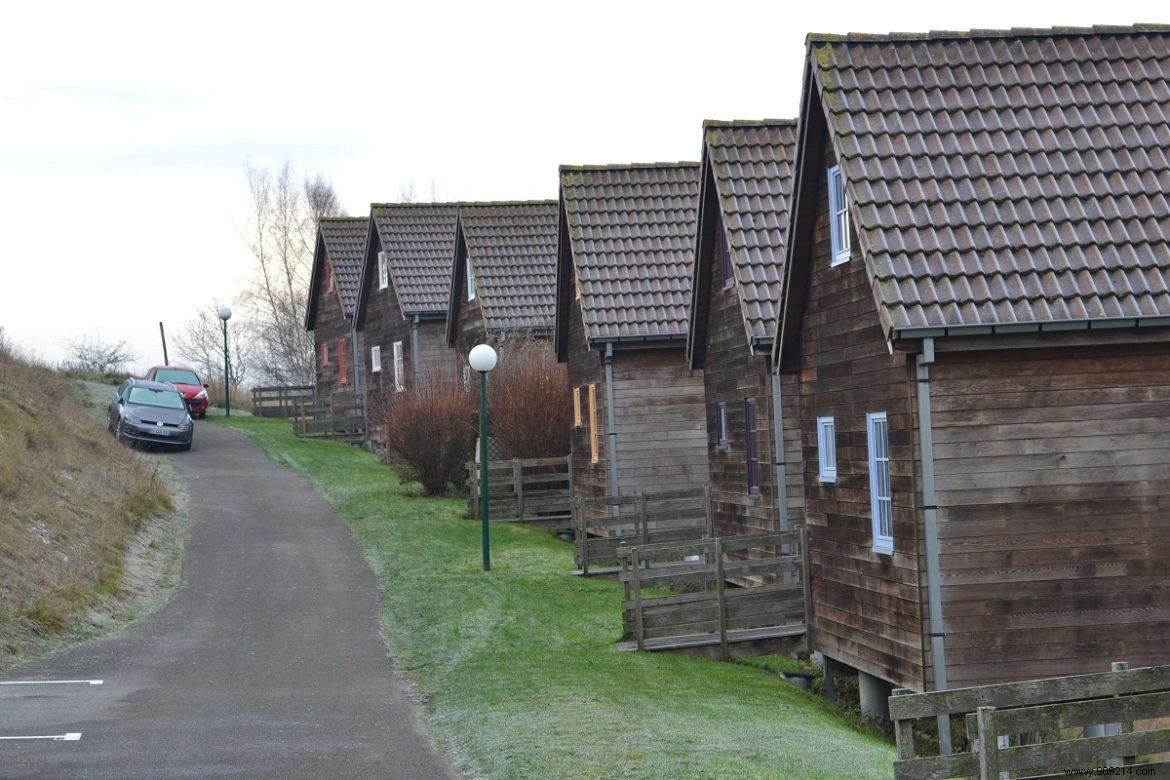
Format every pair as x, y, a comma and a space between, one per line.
778, 438
611, 434
930, 516
414, 361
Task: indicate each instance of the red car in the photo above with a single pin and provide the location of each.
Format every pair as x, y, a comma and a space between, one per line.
186, 381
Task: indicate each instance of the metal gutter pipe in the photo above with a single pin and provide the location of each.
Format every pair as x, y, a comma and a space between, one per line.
611, 434
778, 437
930, 515
414, 361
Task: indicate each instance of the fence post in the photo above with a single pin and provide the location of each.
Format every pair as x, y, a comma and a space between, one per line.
904, 731
639, 632
518, 478
1125, 727
580, 536
473, 484
988, 744
721, 596
640, 507
807, 587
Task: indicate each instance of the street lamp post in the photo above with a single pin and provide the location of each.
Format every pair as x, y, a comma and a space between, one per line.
225, 314
483, 359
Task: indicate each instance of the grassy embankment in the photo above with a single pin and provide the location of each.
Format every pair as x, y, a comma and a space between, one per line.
517, 665
73, 503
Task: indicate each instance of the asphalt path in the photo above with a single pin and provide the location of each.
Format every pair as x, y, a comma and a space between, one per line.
267, 662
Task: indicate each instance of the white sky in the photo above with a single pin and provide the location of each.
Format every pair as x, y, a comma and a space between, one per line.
124, 127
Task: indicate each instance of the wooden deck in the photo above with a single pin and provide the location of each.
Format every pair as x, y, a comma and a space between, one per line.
533, 491
726, 597
1037, 728
602, 525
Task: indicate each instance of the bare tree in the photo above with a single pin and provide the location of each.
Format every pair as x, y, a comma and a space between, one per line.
281, 229
200, 343
94, 356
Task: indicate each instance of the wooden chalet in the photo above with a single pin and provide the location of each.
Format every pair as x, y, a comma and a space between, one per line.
745, 185
976, 306
404, 290
504, 274
333, 285
625, 250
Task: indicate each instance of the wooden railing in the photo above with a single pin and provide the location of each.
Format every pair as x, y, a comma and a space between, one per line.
280, 401
601, 525
679, 595
332, 417
535, 490
1124, 705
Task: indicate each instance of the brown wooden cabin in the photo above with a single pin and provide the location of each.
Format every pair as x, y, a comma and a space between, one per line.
333, 285
978, 313
625, 250
504, 274
404, 290
745, 185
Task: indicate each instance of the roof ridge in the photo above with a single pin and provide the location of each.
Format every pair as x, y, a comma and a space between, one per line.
976, 33
629, 166
540, 202
418, 204
748, 122
342, 219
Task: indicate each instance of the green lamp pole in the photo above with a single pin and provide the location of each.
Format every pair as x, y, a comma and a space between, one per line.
225, 314
483, 359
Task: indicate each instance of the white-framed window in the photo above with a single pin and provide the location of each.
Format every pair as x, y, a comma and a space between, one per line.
751, 447
827, 448
383, 272
881, 499
375, 359
399, 367
838, 216
470, 280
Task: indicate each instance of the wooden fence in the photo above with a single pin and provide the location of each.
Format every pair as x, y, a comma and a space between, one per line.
534, 491
1049, 714
601, 525
331, 417
703, 612
280, 401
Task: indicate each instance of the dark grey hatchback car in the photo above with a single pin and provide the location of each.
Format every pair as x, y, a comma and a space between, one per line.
152, 412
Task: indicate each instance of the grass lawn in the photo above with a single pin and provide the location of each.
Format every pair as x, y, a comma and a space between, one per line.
517, 665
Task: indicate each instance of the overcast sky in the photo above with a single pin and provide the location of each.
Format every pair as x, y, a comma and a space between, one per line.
125, 127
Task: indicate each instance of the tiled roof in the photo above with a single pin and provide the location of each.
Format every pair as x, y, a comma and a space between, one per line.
419, 241
345, 241
1005, 177
752, 164
631, 229
513, 249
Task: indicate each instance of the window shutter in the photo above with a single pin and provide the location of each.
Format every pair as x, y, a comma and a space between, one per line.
753, 457
576, 407
594, 454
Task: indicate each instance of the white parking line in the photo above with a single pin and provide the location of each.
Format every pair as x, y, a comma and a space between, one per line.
52, 682
72, 736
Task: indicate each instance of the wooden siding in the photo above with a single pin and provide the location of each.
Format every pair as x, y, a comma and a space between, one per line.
469, 328
661, 427
1053, 481
433, 353
383, 325
332, 327
590, 479
731, 374
868, 607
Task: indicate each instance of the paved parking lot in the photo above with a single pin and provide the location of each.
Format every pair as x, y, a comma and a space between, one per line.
267, 662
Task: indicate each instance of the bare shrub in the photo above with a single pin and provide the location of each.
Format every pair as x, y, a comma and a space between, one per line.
87, 356
528, 400
431, 426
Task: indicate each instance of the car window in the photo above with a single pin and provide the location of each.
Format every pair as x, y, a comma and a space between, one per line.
148, 396
122, 390
176, 375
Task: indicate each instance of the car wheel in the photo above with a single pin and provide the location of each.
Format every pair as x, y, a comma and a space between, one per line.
109, 424
118, 433
203, 415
